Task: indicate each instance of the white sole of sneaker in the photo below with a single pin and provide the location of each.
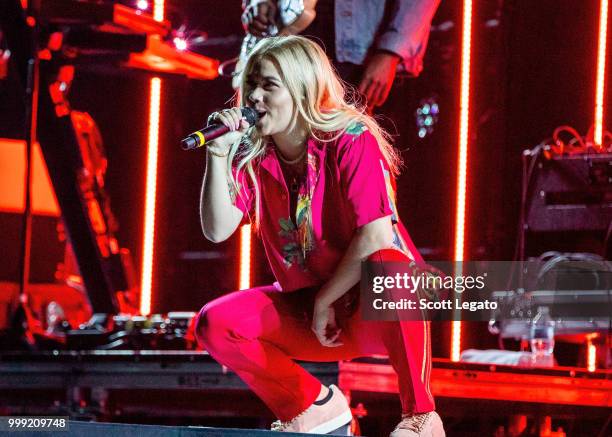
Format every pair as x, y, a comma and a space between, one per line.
335, 423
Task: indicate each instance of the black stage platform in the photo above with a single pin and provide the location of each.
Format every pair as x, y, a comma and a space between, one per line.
89, 429
190, 388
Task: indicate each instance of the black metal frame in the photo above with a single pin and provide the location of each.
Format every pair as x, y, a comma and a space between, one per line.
61, 153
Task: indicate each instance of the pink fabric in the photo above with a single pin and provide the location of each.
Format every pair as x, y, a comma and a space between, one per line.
259, 332
353, 188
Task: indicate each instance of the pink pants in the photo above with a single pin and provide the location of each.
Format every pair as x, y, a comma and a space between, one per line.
260, 331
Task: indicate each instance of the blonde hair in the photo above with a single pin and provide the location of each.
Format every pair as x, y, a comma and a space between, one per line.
320, 99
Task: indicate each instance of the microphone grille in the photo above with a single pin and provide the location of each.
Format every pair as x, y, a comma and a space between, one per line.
250, 115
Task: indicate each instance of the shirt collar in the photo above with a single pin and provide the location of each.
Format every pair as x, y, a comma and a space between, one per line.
270, 160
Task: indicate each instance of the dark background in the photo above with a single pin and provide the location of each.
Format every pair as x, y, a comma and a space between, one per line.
533, 69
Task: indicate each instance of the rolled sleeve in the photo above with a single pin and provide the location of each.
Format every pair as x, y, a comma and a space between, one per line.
360, 163
407, 32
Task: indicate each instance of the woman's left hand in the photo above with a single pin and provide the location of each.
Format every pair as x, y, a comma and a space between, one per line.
324, 325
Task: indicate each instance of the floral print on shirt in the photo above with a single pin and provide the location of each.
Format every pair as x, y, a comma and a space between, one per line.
356, 129
299, 237
292, 253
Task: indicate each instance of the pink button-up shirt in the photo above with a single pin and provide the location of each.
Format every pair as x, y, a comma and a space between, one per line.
348, 185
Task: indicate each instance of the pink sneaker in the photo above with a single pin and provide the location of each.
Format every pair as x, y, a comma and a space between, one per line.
420, 425
330, 415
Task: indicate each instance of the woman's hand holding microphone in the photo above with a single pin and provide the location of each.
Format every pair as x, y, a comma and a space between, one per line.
234, 120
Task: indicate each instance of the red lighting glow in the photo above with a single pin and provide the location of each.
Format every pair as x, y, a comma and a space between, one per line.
180, 43
462, 162
151, 189
148, 238
592, 353
158, 10
601, 74
244, 280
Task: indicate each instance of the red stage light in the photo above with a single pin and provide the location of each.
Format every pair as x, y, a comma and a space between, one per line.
151, 183
180, 43
601, 76
244, 279
591, 353
150, 195
158, 10
143, 5
462, 162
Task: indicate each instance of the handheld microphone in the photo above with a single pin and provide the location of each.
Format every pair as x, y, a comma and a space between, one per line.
209, 133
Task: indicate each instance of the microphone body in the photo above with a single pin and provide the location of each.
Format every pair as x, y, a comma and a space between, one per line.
209, 133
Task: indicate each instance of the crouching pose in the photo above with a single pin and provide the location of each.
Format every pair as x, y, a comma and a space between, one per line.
315, 176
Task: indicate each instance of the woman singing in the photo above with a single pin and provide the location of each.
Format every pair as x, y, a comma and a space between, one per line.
315, 176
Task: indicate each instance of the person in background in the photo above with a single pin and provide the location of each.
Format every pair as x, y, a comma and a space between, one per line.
368, 41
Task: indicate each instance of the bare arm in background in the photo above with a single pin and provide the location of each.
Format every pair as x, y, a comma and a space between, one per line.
403, 40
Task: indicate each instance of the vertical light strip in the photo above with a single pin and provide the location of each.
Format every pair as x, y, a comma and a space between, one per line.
158, 10
150, 195
148, 235
464, 110
244, 280
599, 126
455, 340
591, 355
601, 76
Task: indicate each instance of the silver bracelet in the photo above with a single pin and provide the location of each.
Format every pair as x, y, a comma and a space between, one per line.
211, 118
218, 155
